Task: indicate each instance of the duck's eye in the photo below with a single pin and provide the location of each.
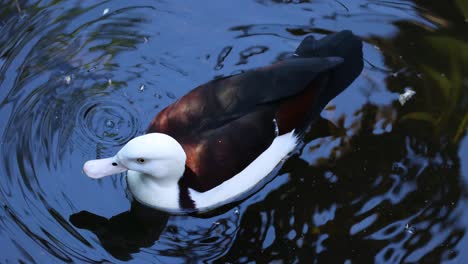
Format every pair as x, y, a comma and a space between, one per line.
114, 164
141, 160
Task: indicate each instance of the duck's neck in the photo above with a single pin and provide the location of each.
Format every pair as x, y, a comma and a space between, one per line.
159, 194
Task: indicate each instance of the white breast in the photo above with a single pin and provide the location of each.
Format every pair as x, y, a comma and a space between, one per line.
151, 193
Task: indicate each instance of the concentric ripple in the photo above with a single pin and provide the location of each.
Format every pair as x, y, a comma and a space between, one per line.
383, 183
108, 122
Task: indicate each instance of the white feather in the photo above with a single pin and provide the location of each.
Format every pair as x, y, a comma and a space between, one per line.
247, 178
147, 191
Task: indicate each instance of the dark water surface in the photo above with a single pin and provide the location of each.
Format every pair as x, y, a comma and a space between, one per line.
381, 182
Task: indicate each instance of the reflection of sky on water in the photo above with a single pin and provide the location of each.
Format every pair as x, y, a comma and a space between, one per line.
370, 186
463, 154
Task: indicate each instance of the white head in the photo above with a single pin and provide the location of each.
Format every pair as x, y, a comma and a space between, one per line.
157, 156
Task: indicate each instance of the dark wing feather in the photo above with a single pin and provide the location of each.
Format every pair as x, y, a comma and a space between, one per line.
219, 101
272, 83
218, 154
226, 123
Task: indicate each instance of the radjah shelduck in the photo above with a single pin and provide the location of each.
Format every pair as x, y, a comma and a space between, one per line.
224, 137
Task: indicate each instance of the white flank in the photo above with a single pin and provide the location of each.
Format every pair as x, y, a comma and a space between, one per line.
247, 178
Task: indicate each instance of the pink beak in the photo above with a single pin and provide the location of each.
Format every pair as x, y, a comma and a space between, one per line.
102, 167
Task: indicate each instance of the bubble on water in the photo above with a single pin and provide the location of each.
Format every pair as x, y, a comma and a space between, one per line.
236, 211
142, 88
105, 11
410, 229
67, 79
110, 124
109, 82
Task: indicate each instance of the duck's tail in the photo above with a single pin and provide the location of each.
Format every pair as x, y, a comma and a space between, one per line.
343, 44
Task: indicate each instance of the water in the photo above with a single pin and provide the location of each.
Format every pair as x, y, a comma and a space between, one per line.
381, 182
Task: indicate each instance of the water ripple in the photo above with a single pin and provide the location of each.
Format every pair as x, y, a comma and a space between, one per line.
378, 182
108, 122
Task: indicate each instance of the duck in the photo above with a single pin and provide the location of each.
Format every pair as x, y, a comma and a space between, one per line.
223, 138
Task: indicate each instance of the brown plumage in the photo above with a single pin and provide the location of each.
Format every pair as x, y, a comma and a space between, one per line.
227, 123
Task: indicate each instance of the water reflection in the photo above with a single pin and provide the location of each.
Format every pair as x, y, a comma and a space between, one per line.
360, 202
126, 232
379, 183
184, 238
